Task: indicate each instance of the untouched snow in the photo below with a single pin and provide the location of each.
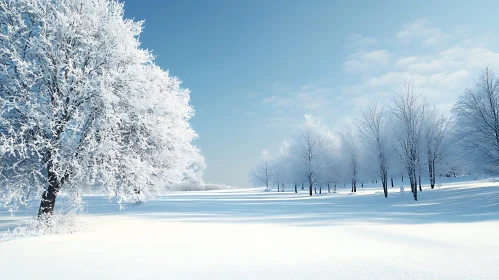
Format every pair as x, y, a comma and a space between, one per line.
451, 233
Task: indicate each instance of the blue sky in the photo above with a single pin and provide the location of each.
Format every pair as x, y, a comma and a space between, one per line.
256, 67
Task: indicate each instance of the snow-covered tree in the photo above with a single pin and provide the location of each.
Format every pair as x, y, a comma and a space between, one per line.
331, 161
283, 167
408, 113
373, 132
435, 130
84, 107
476, 115
350, 152
263, 173
311, 141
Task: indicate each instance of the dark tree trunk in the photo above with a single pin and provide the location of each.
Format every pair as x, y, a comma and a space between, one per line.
320, 189
392, 181
315, 189
362, 184
296, 189
434, 176
302, 186
402, 178
420, 189
384, 183
49, 195
334, 188
310, 189
431, 172
328, 189
415, 188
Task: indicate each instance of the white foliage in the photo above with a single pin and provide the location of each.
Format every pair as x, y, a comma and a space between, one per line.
84, 108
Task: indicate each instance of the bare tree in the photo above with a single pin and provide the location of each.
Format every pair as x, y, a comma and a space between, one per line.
477, 121
350, 149
408, 111
435, 130
372, 131
311, 144
263, 173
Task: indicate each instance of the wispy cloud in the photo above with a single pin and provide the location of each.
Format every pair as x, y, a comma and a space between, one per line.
358, 42
445, 64
366, 61
422, 30
306, 97
287, 105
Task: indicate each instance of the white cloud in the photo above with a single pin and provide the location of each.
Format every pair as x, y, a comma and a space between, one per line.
423, 31
365, 61
443, 69
309, 97
442, 64
293, 103
359, 41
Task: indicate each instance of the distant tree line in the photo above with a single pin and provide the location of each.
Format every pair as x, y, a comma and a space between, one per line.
407, 138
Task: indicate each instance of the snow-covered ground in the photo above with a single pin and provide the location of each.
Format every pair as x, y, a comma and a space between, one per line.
452, 232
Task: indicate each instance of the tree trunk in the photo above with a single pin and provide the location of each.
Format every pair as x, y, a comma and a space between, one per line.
411, 181
415, 188
310, 188
362, 184
302, 186
282, 189
392, 181
315, 189
402, 178
384, 182
296, 189
434, 176
431, 172
328, 189
49, 195
420, 189
320, 189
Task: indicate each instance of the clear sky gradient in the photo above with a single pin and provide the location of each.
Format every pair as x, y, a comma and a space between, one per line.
255, 67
